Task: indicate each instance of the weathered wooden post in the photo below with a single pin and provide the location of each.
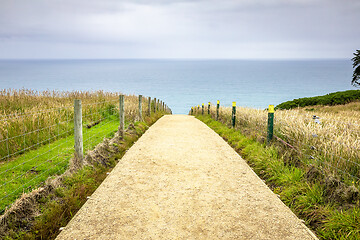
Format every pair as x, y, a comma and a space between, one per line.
198, 109
154, 105
202, 109
140, 107
208, 108
233, 114
121, 115
270, 131
192, 111
78, 136
217, 110
149, 106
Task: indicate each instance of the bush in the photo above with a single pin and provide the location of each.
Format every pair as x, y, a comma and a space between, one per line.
330, 99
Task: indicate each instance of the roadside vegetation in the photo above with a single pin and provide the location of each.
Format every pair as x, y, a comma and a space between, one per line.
33, 167
330, 141
312, 165
43, 212
30, 119
40, 190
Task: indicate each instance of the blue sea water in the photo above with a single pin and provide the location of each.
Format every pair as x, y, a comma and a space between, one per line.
185, 83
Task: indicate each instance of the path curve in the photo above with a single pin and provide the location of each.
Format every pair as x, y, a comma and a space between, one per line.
181, 180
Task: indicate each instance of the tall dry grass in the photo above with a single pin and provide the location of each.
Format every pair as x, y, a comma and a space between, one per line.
31, 118
333, 144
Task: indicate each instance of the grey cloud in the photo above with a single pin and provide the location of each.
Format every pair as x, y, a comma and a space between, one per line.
182, 28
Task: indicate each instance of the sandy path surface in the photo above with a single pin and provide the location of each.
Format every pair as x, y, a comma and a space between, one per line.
182, 181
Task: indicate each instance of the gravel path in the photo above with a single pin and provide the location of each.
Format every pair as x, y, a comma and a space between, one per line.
182, 181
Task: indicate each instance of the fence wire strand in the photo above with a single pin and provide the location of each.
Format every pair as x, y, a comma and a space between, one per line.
17, 178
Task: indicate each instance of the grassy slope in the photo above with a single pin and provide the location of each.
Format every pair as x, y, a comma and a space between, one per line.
305, 198
32, 168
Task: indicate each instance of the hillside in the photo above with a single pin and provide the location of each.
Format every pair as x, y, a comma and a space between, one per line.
331, 99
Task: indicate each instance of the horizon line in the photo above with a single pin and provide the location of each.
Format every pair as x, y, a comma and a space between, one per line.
181, 59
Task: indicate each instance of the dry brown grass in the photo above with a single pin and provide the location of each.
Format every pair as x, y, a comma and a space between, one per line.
30, 118
334, 143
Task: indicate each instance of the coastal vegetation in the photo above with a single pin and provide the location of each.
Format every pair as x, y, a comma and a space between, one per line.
330, 99
42, 213
312, 163
30, 119
40, 189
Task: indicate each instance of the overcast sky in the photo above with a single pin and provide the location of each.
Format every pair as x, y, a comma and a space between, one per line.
239, 29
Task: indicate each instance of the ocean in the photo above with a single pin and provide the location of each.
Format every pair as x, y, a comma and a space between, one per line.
185, 83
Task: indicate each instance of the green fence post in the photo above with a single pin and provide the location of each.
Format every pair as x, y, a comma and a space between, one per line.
202, 109
233, 113
217, 110
270, 131
192, 111
208, 108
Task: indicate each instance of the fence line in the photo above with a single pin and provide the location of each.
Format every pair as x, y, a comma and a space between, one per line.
342, 165
23, 170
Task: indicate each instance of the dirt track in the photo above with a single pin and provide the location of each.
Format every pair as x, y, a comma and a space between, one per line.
182, 181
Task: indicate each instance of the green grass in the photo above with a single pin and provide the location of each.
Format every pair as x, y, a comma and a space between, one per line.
32, 168
329, 220
19, 134
57, 208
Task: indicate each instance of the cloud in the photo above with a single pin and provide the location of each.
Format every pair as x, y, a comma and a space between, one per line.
182, 28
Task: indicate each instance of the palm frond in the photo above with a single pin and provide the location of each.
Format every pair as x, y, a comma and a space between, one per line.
356, 59
356, 77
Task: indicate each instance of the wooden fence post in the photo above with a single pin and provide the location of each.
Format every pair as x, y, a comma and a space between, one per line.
233, 114
149, 107
154, 105
217, 110
121, 115
78, 136
270, 131
192, 111
140, 107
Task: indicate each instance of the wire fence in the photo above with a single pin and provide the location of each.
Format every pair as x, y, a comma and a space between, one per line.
329, 144
38, 145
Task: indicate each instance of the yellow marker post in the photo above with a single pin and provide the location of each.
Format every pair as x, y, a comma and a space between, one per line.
271, 109
208, 108
270, 132
202, 111
233, 113
217, 109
